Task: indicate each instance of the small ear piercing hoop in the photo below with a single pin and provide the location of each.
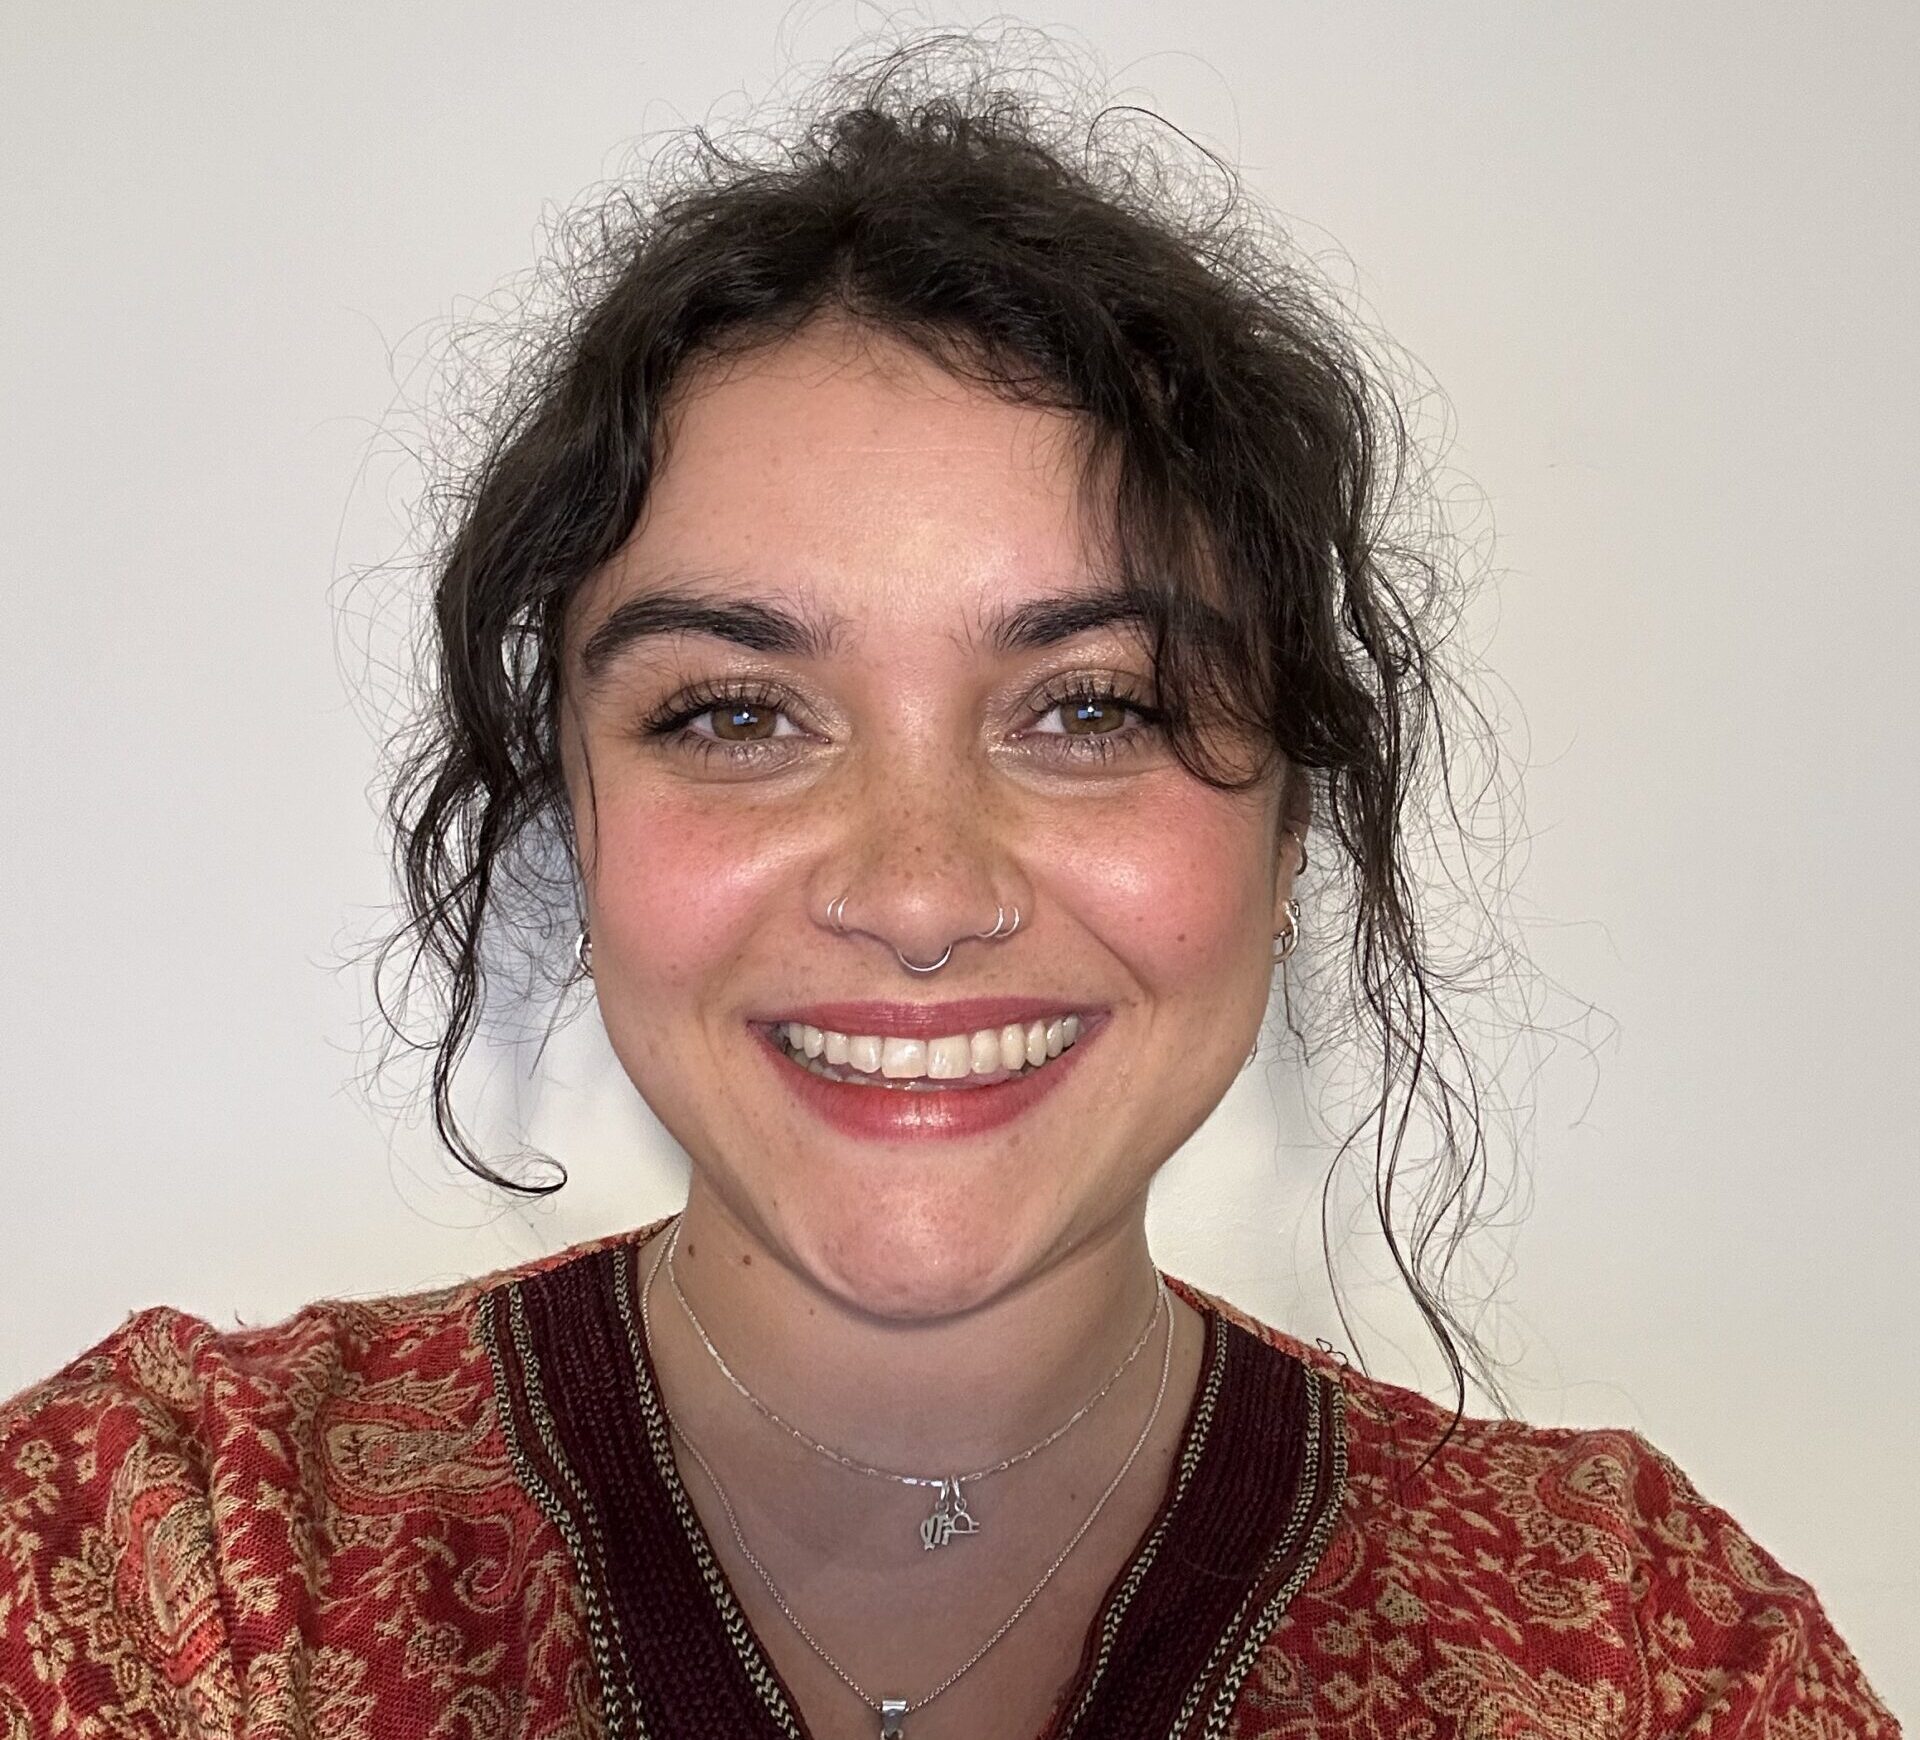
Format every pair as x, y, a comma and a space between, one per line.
1288, 939
583, 951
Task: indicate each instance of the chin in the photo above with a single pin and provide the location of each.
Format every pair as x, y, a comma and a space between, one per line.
906, 1256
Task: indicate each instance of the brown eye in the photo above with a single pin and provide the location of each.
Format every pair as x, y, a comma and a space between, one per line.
735, 727
739, 722
1096, 724
1093, 715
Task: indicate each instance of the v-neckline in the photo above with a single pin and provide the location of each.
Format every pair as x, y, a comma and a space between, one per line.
1248, 1504
1193, 1438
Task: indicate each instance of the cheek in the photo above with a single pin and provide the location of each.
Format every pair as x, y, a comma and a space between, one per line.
677, 889
1179, 886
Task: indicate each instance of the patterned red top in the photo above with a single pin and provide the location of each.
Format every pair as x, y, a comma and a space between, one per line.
411, 1518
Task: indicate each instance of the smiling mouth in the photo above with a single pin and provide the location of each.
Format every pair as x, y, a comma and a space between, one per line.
958, 1062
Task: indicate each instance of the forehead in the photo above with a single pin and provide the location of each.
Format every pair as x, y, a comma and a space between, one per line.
848, 471
856, 410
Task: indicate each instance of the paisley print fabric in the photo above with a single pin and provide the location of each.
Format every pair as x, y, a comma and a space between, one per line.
318, 1532
1551, 1583
309, 1532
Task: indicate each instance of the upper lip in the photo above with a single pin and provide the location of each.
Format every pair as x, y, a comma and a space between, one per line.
929, 1020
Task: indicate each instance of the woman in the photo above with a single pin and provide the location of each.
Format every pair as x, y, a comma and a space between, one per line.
931, 598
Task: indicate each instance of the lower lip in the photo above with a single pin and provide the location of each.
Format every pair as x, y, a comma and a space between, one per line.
908, 1114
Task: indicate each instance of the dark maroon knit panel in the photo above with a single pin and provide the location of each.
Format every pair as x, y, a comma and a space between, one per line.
1238, 1530
683, 1674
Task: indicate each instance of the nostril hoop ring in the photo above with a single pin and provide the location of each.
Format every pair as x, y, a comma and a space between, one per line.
836, 916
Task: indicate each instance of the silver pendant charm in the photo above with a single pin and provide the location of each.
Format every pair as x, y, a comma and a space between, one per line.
893, 1718
950, 1517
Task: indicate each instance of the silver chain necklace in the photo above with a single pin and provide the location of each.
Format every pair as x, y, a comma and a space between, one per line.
950, 1515
893, 1712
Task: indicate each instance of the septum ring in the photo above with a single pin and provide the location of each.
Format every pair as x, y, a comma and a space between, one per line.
836, 916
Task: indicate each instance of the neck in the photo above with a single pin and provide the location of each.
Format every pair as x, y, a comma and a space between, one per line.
951, 1394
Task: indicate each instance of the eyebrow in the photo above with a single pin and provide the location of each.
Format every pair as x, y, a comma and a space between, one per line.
763, 624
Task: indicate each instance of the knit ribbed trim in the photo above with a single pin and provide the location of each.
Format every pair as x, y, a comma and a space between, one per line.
1255, 1490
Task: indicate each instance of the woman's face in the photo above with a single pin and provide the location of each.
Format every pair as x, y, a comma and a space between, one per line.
831, 577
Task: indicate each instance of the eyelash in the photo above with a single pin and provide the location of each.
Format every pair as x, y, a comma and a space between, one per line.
669, 724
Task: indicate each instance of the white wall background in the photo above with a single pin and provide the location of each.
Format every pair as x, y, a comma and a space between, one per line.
1662, 260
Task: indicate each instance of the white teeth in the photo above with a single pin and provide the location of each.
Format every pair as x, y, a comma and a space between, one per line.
900, 1058
992, 1051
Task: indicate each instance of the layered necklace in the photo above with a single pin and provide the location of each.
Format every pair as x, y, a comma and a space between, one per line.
950, 1516
893, 1712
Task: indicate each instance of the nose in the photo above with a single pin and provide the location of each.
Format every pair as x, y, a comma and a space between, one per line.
924, 868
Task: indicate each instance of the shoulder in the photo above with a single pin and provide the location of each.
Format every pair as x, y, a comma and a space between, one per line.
174, 1373
1493, 1572
196, 1522
166, 1382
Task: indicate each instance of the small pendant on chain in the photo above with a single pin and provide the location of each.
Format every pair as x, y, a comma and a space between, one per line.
893, 1718
950, 1517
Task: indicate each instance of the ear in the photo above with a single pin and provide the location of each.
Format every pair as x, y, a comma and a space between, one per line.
1296, 816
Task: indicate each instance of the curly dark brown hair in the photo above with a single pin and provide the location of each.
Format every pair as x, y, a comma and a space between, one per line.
1268, 517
